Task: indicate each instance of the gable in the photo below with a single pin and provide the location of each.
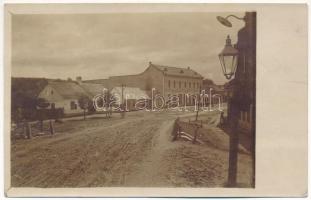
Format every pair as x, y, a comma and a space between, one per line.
50, 94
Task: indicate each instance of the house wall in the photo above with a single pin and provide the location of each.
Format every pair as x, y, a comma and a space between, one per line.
51, 95
181, 86
245, 75
66, 105
153, 78
150, 78
245, 120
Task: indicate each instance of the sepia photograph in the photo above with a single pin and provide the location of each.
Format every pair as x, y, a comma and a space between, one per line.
133, 99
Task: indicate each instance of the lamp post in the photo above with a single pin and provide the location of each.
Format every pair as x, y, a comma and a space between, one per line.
239, 61
228, 60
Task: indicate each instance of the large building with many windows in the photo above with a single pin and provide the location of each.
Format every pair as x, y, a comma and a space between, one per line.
160, 80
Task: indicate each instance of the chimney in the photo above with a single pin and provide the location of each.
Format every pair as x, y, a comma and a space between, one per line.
188, 67
79, 79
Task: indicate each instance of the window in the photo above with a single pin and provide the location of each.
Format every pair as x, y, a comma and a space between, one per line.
185, 84
189, 85
169, 83
179, 84
174, 84
52, 92
52, 105
193, 85
73, 105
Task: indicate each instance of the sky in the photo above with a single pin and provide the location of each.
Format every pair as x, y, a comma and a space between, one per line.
96, 46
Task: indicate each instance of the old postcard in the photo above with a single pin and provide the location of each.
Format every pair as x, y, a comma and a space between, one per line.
156, 100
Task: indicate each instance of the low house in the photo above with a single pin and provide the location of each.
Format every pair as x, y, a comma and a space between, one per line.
66, 94
133, 98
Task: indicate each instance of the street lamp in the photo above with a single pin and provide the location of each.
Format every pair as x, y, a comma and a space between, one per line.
228, 58
229, 55
243, 88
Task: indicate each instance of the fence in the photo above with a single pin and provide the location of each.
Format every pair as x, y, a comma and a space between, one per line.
187, 130
28, 130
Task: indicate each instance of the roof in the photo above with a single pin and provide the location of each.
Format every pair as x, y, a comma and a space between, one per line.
73, 90
177, 71
98, 81
93, 89
68, 90
129, 93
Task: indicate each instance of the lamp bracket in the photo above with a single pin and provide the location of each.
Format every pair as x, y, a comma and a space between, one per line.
239, 18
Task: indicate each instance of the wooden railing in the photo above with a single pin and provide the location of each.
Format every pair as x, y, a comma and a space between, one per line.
187, 130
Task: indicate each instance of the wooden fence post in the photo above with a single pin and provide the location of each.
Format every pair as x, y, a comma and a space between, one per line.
28, 130
51, 127
176, 130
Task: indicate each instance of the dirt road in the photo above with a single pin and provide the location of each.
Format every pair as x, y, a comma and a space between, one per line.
135, 151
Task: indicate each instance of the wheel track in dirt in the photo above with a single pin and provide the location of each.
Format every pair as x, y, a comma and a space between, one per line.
107, 155
72, 174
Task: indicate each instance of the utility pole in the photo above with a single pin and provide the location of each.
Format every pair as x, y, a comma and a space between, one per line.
196, 117
122, 101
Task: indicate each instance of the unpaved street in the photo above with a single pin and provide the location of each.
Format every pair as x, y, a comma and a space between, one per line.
134, 151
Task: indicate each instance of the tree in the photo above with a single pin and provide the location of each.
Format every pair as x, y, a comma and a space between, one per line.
109, 100
84, 103
103, 103
42, 104
24, 92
